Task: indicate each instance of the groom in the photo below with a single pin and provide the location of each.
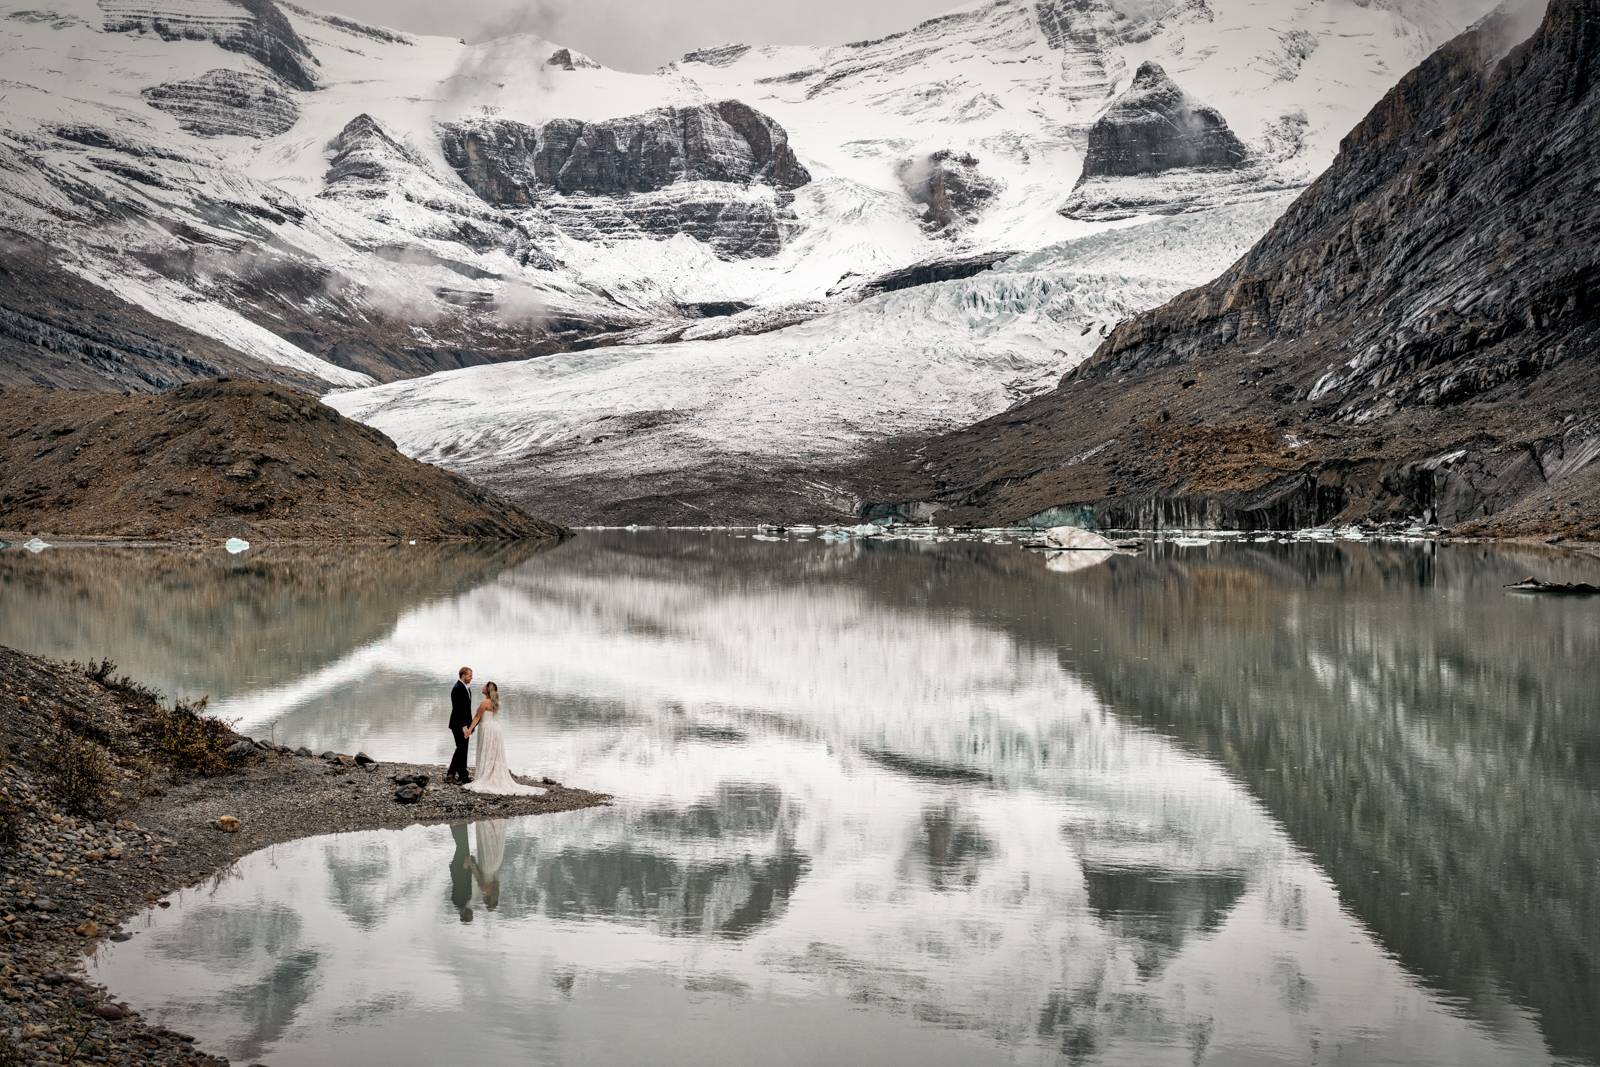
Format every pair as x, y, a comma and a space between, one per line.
460, 719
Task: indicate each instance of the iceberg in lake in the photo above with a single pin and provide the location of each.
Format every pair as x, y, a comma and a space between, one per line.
236, 545
33, 544
1076, 539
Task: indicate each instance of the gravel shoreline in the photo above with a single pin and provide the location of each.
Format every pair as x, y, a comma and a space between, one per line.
70, 880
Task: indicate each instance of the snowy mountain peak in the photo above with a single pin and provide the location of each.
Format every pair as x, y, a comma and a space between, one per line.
255, 28
419, 202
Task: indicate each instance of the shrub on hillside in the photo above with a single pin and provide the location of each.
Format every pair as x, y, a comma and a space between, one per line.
104, 671
189, 739
81, 775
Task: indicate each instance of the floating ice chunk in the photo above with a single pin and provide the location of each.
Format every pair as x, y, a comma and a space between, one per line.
1075, 539
236, 545
834, 536
764, 537
1190, 542
866, 529
34, 545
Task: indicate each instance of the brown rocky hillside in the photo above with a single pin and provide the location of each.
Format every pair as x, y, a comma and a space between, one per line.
226, 458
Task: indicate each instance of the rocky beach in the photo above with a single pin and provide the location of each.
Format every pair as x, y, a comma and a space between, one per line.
110, 799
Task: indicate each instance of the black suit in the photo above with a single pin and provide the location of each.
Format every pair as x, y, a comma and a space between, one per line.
460, 868
460, 719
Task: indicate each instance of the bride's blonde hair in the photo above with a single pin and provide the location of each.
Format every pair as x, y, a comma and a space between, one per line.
491, 693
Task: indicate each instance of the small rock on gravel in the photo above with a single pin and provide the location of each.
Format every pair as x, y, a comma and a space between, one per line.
408, 794
228, 824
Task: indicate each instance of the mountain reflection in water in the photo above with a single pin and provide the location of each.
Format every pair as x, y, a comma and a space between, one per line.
910, 802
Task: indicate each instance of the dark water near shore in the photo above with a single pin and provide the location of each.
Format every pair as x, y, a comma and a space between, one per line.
892, 802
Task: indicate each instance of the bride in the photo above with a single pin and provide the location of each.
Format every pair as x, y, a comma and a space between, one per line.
492, 775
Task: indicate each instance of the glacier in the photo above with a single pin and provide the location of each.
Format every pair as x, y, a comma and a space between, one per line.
282, 181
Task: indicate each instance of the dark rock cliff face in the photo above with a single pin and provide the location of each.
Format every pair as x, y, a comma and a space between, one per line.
256, 28
511, 164
1154, 127
566, 59
225, 102
699, 171
1417, 338
949, 187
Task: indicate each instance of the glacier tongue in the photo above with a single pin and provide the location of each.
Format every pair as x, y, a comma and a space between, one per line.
586, 431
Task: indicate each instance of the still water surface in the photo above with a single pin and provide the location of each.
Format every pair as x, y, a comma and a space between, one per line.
892, 803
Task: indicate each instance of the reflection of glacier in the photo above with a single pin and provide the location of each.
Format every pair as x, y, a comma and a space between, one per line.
832, 800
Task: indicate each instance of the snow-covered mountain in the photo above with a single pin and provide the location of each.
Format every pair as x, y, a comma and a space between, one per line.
360, 205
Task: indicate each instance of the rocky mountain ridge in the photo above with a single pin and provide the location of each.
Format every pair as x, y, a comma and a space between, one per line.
277, 179
1414, 341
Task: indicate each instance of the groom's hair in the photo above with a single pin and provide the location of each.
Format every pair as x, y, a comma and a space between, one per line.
462, 673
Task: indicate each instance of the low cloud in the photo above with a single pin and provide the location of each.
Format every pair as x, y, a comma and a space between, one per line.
517, 304
485, 65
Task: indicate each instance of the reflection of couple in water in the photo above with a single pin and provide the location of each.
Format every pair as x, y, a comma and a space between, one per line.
481, 871
492, 774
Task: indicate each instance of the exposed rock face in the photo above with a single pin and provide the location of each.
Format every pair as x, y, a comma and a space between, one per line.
930, 271
1415, 339
368, 162
511, 164
567, 59
1154, 127
364, 156
716, 172
1157, 150
735, 221
256, 28
720, 56
1077, 29
949, 187
224, 102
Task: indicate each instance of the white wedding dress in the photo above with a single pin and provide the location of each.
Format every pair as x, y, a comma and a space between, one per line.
492, 774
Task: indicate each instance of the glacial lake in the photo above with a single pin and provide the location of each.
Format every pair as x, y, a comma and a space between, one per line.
891, 802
